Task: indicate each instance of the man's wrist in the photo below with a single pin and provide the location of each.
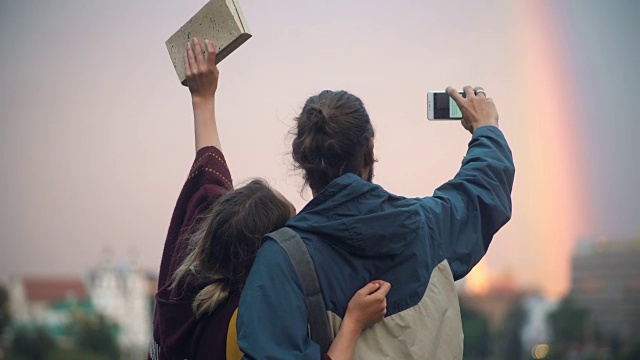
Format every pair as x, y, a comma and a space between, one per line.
478, 126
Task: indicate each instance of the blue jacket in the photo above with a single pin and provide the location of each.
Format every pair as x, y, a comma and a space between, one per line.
357, 232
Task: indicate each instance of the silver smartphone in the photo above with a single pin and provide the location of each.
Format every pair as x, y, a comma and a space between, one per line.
442, 107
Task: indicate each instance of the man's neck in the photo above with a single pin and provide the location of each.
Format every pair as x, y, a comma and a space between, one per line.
363, 175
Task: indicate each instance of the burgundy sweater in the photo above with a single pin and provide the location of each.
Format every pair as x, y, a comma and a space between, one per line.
176, 332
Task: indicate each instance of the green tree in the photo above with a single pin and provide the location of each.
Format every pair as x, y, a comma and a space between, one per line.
632, 353
512, 332
569, 323
96, 335
74, 354
5, 317
477, 336
32, 344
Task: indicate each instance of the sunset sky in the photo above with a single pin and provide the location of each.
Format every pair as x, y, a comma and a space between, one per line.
96, 133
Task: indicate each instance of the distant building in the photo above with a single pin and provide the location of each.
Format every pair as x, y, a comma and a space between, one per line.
536, 329
122, 293
605, 279
48, 302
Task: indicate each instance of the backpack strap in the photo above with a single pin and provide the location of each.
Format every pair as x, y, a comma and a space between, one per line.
301, 260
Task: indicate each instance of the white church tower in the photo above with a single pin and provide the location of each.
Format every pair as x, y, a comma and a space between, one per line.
120, 292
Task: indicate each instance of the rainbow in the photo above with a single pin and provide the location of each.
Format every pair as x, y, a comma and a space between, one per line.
556, 209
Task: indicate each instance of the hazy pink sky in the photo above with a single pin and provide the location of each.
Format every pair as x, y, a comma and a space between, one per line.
96, 134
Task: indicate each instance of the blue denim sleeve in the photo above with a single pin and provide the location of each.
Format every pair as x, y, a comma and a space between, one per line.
272, 315
466, 212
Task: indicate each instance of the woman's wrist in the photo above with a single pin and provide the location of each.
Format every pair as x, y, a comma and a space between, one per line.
202, 101
204, 116
350, 327
344, 344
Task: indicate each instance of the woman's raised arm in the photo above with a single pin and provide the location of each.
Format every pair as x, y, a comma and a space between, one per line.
202, 80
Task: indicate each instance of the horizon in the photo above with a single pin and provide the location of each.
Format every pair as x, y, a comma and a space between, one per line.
97, 133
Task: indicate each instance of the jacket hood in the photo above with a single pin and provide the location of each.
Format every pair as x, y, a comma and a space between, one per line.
360, 218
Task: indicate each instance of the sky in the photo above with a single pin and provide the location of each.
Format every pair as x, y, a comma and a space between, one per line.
96, 133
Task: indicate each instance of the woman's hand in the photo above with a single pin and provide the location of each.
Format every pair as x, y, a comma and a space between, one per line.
368, 306
201, 72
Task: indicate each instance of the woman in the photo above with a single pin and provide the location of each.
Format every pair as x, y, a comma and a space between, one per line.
213, 238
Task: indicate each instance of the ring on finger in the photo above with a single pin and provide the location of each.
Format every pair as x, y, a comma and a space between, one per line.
480, 91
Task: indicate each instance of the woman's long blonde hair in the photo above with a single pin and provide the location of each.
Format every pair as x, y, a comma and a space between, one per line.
224, 246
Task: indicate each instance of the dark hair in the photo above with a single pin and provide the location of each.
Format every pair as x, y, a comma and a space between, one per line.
225, 244
333, 135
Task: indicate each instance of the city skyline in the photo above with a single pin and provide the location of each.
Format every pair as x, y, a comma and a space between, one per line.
97, 136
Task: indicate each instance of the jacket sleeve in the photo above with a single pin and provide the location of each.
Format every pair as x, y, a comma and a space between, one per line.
272, 315
466, 212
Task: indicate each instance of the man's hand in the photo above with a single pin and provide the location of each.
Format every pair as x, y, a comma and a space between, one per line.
477, 109
201, 73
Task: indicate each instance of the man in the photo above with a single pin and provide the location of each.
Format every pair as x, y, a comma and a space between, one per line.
356, 231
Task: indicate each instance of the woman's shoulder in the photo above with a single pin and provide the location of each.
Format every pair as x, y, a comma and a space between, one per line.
217, 333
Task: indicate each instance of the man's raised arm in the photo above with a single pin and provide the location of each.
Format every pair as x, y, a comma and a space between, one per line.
466, 212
